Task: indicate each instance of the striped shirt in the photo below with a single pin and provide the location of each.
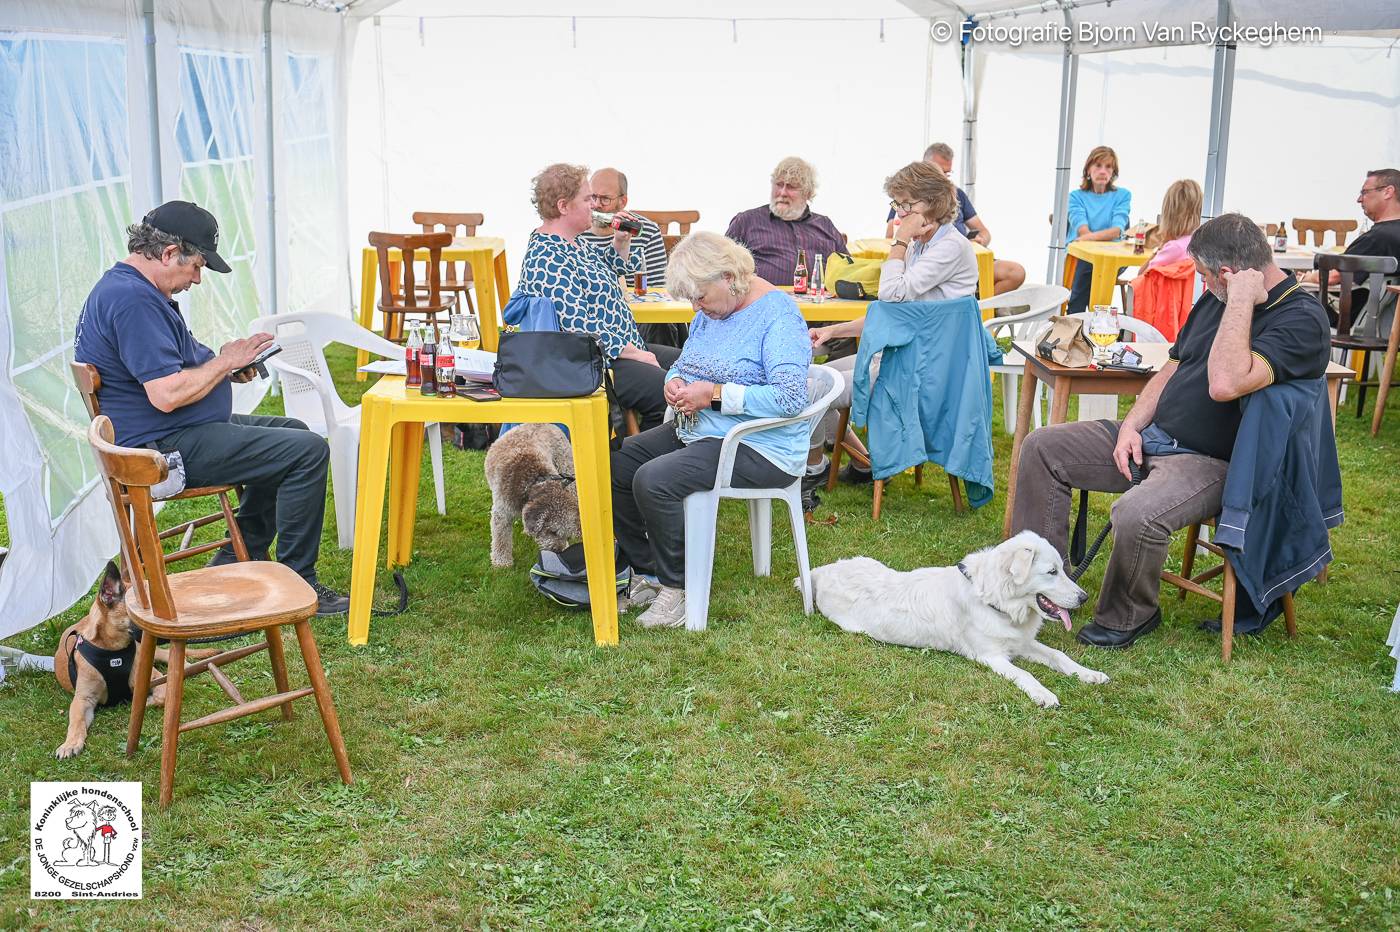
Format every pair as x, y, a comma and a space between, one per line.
775, 242
648, 242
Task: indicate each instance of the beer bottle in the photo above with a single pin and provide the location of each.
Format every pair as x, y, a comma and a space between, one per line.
1281, 238
799, 274
427, 363
411, 350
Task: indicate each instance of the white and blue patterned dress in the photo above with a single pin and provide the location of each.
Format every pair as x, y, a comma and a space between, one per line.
582, 282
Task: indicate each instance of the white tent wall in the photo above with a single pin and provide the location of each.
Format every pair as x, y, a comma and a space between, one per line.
696, 118
76, 138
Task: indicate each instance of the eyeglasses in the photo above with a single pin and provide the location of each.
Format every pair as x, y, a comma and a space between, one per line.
907, 208
1365, 191
603, 198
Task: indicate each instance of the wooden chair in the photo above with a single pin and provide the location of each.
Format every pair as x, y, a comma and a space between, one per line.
1339, 228
89, 382
1360, 330
664, 218
458, 280
222, 601
398, 303
842, 423
1229, 593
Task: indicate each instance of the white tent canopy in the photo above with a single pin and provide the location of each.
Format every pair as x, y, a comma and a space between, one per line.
305, 126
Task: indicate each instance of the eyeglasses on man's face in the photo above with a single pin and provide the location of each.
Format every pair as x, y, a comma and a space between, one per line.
603, 200
1366, 191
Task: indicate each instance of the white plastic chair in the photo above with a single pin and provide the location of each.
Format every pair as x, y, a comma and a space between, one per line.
309, 395
702, 508
1044, 302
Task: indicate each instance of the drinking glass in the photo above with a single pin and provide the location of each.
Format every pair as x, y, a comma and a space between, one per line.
1102, 330
465, 332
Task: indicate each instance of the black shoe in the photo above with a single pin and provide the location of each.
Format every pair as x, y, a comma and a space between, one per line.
1096, 635
1213, 626
815, 480
330, 602
224, 556
851, 474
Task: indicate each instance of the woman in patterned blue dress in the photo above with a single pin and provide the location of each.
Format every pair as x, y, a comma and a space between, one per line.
746, 357
582, 282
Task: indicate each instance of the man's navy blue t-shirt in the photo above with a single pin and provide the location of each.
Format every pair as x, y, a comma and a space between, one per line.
134, 335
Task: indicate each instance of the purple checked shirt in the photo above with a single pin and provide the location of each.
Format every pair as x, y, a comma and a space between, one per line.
774, 243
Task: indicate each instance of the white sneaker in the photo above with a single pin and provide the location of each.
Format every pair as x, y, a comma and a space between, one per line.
667, 610
643, 591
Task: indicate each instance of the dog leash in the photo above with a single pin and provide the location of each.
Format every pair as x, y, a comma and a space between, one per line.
1078, 555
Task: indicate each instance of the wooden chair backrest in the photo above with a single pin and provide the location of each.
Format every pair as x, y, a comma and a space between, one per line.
89, 382
430, 221
408, 244
664, 218
1319, 227
128, 474
1348, 269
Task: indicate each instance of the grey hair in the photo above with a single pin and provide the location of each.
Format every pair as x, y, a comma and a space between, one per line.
1230, 240
940, 149
150, 242
799, 172
1387, 177
702, 258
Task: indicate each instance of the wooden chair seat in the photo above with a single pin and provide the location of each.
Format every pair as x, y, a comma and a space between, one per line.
1356, 341
235, 598
198, 493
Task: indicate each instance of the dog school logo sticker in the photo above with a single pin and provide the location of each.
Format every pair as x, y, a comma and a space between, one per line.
85, 841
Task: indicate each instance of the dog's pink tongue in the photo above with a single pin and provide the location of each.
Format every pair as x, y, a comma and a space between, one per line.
1064, 616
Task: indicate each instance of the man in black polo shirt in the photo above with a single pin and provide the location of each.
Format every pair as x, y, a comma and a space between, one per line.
165, 390
1252, 327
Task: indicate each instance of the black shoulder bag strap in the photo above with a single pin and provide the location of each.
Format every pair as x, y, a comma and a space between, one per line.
1078, 556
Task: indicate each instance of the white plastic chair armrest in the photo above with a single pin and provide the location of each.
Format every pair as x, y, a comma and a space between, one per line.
324, 389
729, 448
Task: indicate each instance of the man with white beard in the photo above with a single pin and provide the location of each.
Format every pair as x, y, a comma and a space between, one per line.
775, 232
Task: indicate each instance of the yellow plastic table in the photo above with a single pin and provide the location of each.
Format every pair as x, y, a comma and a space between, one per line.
660, 308
391, 448
878, 247
1106, 259
487, 257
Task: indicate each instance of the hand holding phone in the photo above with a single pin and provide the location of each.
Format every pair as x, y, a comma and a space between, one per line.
260, 360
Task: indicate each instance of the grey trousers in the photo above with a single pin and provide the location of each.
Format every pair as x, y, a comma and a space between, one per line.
1179, 490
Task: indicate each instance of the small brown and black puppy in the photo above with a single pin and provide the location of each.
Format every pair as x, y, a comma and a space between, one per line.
106, 632
530, 471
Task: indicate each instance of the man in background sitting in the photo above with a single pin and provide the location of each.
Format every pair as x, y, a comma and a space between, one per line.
777, 231
1006, 275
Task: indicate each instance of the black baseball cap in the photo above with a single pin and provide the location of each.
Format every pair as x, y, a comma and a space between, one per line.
194, 225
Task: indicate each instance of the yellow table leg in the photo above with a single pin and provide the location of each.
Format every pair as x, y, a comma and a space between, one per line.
588, 432
369, 508
1105, 276
403, 501
369, 273
488, 309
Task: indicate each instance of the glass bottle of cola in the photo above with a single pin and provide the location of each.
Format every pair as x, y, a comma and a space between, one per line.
799, 274
427, 362
412, 348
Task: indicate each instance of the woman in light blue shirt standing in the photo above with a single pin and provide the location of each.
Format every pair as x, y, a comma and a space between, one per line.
746, 357
1097, 211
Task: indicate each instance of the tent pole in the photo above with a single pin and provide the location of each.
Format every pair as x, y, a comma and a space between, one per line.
1069, 82
148, 17
1221, 95
271, 160
928, 83
969, 166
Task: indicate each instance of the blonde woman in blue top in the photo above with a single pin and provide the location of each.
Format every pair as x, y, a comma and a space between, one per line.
581, 280
746, 357
1097, 211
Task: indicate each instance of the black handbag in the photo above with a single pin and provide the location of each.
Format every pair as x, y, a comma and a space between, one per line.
548, 364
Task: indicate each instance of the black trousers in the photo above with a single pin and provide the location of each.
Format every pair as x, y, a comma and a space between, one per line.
651, 476
640, 385
282, 466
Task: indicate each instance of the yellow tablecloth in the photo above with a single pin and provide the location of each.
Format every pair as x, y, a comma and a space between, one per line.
878, 247
487, 256
391, 447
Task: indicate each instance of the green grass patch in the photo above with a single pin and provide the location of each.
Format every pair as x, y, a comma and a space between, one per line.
773, 772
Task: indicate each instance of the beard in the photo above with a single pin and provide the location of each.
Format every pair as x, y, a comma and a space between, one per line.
786, 211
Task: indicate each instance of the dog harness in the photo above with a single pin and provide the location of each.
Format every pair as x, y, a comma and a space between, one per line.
555, 477
114, 665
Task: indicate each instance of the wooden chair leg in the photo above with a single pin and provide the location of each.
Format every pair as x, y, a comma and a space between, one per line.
958, 505
1188, 556
633, 426
309, 652
235, 533
1227, 613
145, 660
279, 667
879, 495
1289, 621
838, 447
170, 739
1387, 373
919, 476
1362, 376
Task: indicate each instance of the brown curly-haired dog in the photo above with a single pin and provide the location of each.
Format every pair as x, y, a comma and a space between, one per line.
530, 471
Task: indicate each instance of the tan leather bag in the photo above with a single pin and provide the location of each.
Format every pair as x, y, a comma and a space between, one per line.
1065, 343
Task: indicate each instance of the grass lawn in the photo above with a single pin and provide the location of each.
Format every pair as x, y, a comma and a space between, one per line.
773, 772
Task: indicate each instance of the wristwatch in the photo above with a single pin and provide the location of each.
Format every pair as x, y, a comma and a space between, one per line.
900, 242
717, 399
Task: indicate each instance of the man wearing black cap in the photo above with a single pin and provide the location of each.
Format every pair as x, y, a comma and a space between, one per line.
165, 390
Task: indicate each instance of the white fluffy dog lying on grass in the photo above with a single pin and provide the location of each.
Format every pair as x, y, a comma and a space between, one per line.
988, 608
